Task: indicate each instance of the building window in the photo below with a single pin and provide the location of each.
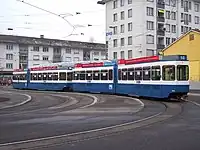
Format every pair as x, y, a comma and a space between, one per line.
150, 39
122, 15
182, 3
114, 55
130, 54
190, 6
173, 15
115, 17
190, 18
45, 49
167, 2
68, 50
36, 48
76, 59
130, 26
122, 54
173, 39
9, 47
167, 14
129, 13
115, 43
173, 3
36, 57
196, 7
150, 11
9, 56
149, 52
45, 58
129, 1
173, 28
9, 66
167, 41
56, 50
167, 27
114, 4
122, 42
196, 20
130, 40
191, 37
68, 59
121, 3
96, 53
115, 30
150, 25
122, 28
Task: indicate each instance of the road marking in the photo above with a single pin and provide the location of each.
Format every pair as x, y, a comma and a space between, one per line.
135, 99
95, 100
19, 104
78, 133
193, 94
67, 103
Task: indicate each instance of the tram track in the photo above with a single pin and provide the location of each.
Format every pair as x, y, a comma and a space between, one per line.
68, 101
172, 109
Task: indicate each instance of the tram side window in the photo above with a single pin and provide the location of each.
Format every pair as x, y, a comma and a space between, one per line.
33, 76
44, 76
110, 72
49, 77
15, 77
182, 72
82, 75
96, 75
146, 73
22, 77
104, 74
62, 76
131, 74
69, 76
124, 74
76, 75
88, 75
119, 74
55, 76
39, 76
155, 73
169, 73
138, 73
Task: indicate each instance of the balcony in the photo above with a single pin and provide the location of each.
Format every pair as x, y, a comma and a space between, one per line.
160, 32
160, 19
161, 4
160, 46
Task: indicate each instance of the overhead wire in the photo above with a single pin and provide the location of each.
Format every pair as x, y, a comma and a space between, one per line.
58, 15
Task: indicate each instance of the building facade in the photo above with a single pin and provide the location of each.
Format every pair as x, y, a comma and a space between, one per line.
23, 52
137, 28
188, 44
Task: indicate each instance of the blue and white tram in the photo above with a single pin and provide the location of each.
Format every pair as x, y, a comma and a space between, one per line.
50, 78
20, 78
95, 77
154, 77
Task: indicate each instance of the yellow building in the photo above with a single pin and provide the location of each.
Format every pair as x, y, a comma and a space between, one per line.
188, 44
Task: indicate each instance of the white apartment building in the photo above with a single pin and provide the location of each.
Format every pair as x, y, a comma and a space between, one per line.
138, 28
22, 52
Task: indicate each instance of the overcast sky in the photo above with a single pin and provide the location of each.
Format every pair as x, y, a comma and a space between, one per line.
29, 21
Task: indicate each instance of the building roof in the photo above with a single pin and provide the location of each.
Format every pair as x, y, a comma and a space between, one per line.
193, 30
50, 42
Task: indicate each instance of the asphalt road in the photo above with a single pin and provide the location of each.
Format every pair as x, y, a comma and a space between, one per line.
50, 114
